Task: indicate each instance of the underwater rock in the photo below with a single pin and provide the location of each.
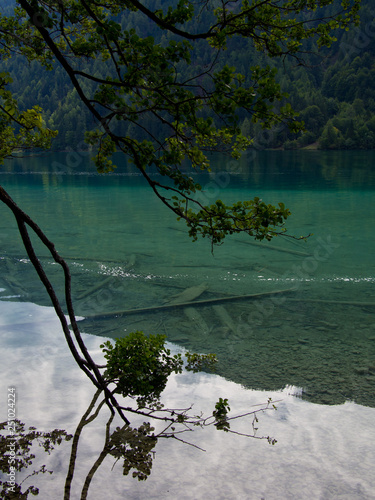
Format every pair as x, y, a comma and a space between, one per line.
303, 341
361, 370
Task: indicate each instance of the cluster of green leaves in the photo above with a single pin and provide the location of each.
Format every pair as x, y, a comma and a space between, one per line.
139, 365
20, 441
221, 415
254, 217
135, 447
279, 28
20, 130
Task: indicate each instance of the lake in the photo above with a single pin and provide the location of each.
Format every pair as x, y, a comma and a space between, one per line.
306, 336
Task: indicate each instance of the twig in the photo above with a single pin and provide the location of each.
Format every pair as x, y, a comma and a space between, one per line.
276, 249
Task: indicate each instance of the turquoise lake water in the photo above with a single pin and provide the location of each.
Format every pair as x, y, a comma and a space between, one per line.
319, 336
310, 321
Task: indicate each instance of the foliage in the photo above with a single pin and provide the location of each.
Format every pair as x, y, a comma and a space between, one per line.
135, 447
19, 443
220, 413
139, 365
20, 130
253, 217
338, 86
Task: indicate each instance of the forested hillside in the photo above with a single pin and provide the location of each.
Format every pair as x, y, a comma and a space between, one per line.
336, 96
333, 91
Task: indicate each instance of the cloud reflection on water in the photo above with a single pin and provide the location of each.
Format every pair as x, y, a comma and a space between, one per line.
322, 452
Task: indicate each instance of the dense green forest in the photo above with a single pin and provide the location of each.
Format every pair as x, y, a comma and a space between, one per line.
333, 89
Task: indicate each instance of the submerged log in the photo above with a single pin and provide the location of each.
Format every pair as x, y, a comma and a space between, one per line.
338, 302
197, 303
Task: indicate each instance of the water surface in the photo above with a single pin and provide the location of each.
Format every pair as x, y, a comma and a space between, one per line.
311, 344
317, 334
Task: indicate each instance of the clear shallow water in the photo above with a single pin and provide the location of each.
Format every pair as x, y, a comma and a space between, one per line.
317, 336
